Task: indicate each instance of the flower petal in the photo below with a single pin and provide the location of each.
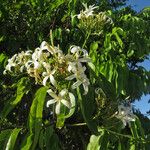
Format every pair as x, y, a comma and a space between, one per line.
53, 81
70, 77
86, 89
72, 99
52, 101
57, 109
66, 103
63, 92
124, 123
52, 94
76, 84
74, 49
84, 60
36, 65
45, 80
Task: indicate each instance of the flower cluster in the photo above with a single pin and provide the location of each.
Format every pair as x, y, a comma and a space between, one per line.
94, 23
87, 12
51, 67
125, 114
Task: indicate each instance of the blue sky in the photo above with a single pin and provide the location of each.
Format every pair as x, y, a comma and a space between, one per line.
142, 105
139, 4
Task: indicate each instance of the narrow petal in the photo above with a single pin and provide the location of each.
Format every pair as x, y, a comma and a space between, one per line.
69, 68
74, 49
85, 53
53, 81
36, 65
72, 99
72, 66
124, 123
86, 89
70, 77
63, 92
76, 84
21, 68
43, 44
45, 80
52, 101
84, 60
66, 103
52, 94
57, 109
53, 71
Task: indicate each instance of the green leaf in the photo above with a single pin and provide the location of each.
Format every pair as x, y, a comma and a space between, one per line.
121, 79
134, 129
41, 139
132, 145
57, 33
106, 86
12, 139
26, 145
107, 69
51, 139
33, 2
35, 118
107, 42
56, 4
95, 141
116, 32
139, 126
135, 134
49, 131
3, 59
130, 53
119, 145
93, 51
119, 40
93, 47
104, 141
87, 104
23, 86
4, 136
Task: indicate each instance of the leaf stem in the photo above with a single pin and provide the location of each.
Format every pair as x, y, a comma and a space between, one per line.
76, 124
87, 36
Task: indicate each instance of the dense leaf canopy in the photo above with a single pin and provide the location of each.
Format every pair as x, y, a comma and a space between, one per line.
94, 50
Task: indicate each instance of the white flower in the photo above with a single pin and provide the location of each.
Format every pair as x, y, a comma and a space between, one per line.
40, 54
49, 74
18, 61
46, 46
33, 68
80, 78
125, 114
32, 64
51, 49
78, 50
60, 56
11, 63
88, 11
79, 56
60, 99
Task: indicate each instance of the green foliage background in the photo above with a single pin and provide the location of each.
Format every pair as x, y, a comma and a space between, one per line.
25, 122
